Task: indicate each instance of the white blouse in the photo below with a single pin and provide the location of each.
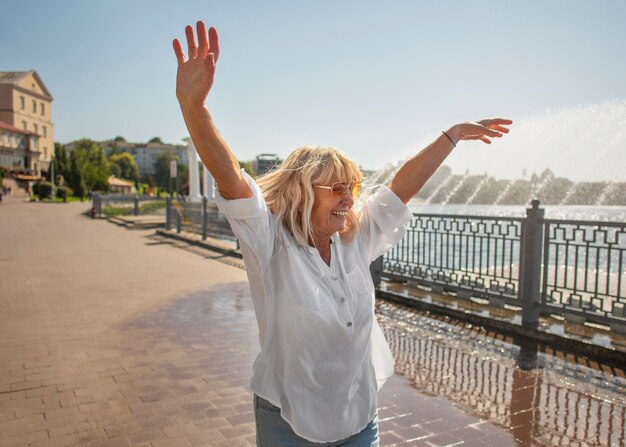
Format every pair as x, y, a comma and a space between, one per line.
323, 355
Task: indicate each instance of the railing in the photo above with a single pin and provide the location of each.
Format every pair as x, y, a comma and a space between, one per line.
198, 217
573, 268
131, 203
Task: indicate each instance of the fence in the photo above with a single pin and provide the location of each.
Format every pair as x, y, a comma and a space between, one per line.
572, 268
198, 217
131, 203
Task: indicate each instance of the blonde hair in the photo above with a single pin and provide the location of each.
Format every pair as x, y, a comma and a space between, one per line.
289, 191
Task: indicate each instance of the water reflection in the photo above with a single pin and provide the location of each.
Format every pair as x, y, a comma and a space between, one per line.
540, 396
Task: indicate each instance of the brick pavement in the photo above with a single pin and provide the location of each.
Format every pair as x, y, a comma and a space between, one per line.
110, 337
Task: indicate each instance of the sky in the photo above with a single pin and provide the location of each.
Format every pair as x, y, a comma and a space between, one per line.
378, 80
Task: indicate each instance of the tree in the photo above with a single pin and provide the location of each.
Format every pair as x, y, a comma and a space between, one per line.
162, 170
61, 161
127, 165
247, 166
155, 140
88, 165
119, 138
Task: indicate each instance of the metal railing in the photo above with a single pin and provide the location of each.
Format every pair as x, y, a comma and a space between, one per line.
131, 203
573, 268
198, 217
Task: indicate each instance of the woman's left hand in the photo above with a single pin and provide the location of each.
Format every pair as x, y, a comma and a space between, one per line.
480, 130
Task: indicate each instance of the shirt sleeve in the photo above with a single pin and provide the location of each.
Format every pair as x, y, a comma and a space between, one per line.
252, 223
382, 222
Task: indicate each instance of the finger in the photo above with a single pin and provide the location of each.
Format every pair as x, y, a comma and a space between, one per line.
210, 62
178, 51
214, 45
203, 42
501, 129
192, 49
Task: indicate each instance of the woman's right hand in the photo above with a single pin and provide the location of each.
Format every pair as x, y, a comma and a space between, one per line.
195, 74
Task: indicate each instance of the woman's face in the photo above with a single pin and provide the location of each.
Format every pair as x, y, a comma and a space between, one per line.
329, 214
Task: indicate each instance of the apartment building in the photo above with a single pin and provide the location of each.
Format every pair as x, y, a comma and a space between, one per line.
26, 105
145, 154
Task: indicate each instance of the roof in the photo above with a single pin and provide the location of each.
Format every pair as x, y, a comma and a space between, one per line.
113, 181
10, 128
15, 77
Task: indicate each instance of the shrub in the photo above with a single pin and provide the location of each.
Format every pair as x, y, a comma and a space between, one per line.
63, 192
43, 190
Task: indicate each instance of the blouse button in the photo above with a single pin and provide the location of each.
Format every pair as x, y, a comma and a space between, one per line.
349, 323
343, 299
334, 278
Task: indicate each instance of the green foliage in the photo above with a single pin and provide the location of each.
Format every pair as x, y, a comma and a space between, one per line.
64, 192
89, 168
61, 161
155, 140
119, 138
43, 189
127, 167
247, 166
162, 171
115, 170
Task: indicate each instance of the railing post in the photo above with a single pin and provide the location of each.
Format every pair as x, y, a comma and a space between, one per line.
168, 213
204, 218
178, 222
530, 264
136, 205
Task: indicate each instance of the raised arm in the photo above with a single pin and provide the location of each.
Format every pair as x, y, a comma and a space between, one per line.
418, 169
194, 80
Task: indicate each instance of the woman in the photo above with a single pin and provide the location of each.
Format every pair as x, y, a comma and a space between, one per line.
307, 253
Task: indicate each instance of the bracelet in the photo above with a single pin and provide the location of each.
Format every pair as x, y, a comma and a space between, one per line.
453, 143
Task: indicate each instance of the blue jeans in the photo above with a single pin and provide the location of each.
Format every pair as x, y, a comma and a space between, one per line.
273, 431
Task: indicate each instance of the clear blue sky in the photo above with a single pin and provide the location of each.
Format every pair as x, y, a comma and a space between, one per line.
376, 79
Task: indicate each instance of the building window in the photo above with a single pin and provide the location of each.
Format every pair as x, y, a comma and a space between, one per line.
34, 106
45, 131
22, 103
24, 125
36, 128
42, 106
45, 153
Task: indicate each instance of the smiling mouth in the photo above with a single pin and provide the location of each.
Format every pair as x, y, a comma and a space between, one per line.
339, 213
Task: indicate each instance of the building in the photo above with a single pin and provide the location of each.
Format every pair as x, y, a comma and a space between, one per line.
117, 185
26, 104
144, 154
17, 149
265, 163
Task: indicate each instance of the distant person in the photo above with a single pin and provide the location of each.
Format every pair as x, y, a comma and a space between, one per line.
307, 251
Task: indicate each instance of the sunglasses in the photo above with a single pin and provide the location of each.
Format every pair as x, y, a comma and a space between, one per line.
339, 190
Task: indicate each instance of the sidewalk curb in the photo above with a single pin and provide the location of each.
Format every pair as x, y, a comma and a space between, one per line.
203, 244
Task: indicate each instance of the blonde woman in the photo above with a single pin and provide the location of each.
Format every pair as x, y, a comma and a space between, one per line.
307, 252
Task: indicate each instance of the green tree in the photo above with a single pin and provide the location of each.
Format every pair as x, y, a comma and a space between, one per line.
162, 170
61, 161
155, 140
89, 165
127, 165
247, 166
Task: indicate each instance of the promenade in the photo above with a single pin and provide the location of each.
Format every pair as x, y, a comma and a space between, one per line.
117, 337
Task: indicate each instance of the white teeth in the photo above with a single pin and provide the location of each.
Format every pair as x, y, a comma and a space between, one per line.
339, 213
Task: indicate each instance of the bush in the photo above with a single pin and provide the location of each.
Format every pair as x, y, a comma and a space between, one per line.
43, 190
64, 192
